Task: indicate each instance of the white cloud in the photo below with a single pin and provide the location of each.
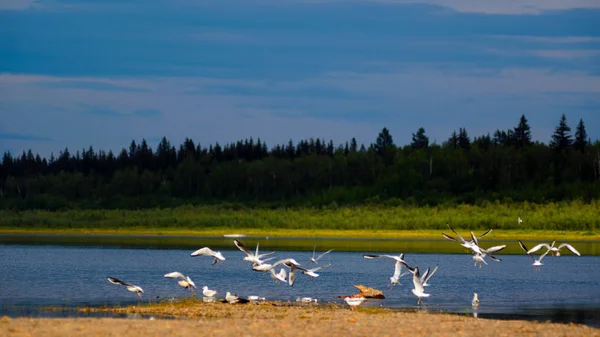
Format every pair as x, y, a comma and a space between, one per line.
505, 6
567, 54
549, 39
16, 4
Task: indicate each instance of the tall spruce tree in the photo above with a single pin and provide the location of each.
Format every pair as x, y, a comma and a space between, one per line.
522, 134
561, 139
419, 140
384, 142
464, 141
580, 142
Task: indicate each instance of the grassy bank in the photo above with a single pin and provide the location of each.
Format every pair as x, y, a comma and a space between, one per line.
568, 216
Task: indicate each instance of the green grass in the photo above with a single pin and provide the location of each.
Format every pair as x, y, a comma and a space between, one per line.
565, 216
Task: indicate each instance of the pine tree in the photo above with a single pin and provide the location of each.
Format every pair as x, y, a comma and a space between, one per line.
384, 141
581, 142
463, 139
353, 145
522, 134
419, 140
453, 140
561, 139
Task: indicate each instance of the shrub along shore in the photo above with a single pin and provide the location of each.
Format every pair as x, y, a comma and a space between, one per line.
574, 216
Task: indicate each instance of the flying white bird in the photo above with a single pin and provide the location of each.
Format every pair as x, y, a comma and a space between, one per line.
554, 250
427, 275
185, 281
395, 278
281, 276
537, 263
252, 257
311, 272
314, 258
467, 244
205, 251
418, 289
519, 220
130, 287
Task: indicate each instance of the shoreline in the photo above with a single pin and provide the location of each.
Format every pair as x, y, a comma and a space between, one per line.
269, 318
252, 233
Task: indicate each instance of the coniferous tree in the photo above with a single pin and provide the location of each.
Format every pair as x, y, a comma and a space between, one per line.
522, 134
384, 142
464, 141
353, 145
419, 140
561, 139
581, 141
453, 140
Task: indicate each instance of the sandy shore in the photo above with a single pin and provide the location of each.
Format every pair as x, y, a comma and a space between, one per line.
269, 319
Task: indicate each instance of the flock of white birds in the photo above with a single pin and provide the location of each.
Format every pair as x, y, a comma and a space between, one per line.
260, 263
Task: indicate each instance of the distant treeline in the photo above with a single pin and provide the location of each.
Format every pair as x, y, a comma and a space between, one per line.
506, 166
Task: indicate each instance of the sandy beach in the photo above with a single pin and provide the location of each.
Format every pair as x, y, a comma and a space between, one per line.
269, 319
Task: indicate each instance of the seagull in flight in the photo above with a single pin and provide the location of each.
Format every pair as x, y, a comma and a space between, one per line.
130, 287
537, 263
205, 251
185, 281
467, 244
281, 276
311, 272
314, 258
554, 250
252, 257
427, 275
479, 253
418, 289
395, 278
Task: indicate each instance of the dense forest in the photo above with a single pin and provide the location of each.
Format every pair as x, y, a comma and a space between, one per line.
506, 166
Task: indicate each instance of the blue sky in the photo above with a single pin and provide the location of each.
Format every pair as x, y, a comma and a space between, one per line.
75, 73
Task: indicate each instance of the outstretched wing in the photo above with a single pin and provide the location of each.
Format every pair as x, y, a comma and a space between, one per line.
320, 256
204, 251
175, 274
117, 281
484, 234
430, 274
538, 247
243, 248
446, 236
525, 249
569, 247
457, 235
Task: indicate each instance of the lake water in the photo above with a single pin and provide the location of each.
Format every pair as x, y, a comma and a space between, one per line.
567, 289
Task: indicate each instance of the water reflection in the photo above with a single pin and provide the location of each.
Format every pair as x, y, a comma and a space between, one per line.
588, 248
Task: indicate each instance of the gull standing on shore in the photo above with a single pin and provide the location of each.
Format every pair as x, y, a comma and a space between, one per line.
208, 292
475, 301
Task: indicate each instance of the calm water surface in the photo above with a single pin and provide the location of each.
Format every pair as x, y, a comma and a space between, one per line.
565, 290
